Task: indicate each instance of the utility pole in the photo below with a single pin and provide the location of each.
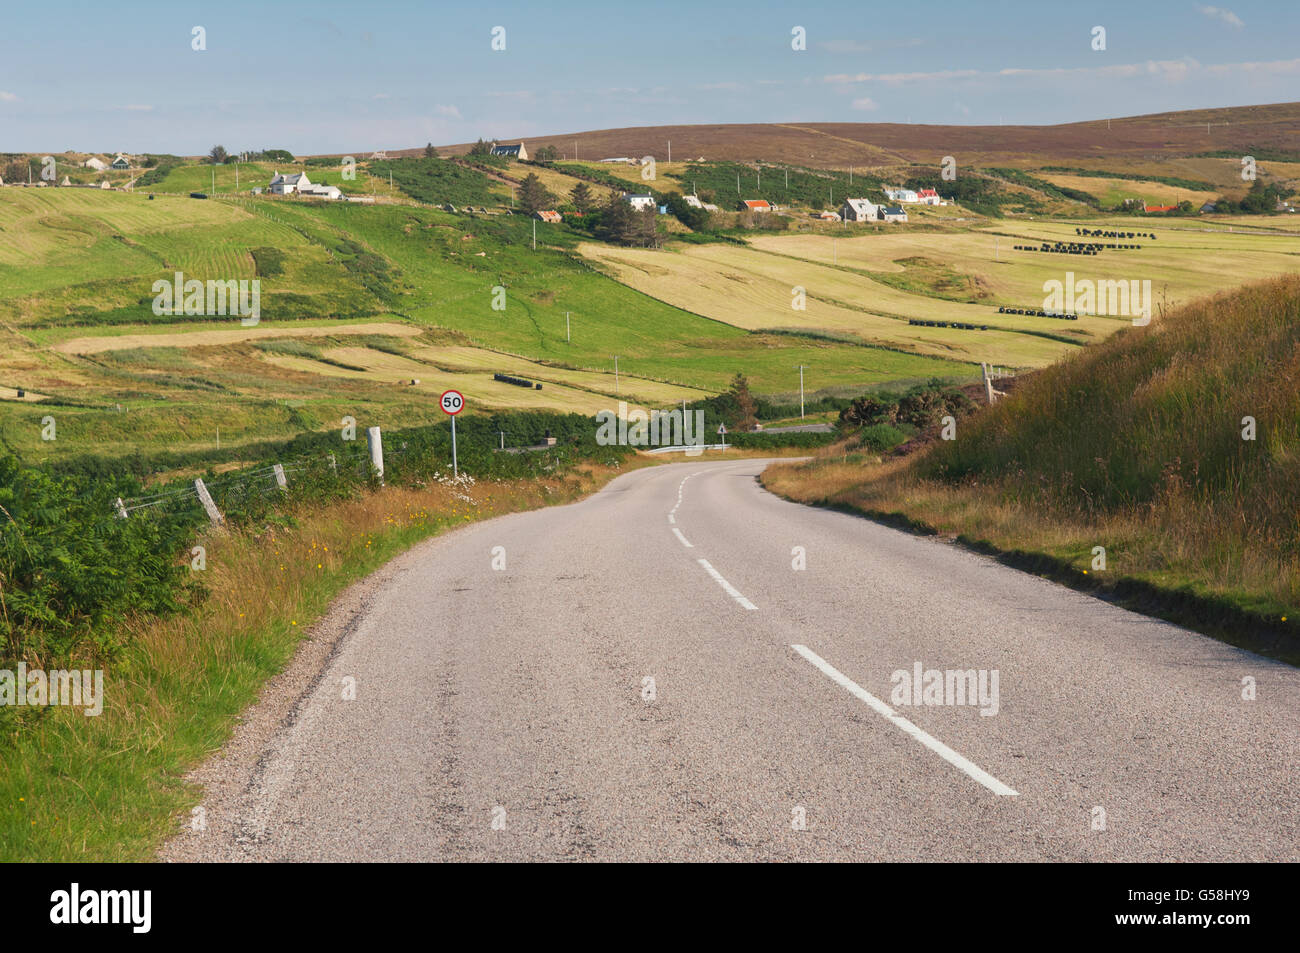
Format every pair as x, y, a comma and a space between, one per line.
567, 338
801, 367
534, 234
503, 438
670, 150
615, 357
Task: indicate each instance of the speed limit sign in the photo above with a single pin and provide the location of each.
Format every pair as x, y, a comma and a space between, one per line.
452, 401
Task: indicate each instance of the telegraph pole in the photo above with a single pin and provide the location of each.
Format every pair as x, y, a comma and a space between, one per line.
567, 338
801, 367
615, 357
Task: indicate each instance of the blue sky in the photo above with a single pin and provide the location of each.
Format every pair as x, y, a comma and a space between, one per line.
334, 76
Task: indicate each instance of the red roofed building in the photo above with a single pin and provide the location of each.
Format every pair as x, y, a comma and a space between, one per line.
928, 197
549, 216
1158, 208
757, 205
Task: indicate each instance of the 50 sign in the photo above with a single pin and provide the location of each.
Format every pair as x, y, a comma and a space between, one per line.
452, 402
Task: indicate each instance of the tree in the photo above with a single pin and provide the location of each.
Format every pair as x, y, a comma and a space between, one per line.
546, 154
218, 155
582, 198
533, 196
624, 225
481, 148
746, 412
430, 152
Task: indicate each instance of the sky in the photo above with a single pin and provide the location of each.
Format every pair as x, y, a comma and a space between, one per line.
335, 76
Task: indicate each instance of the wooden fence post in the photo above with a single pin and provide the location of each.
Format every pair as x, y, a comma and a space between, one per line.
376, 444
279, 478
205, 498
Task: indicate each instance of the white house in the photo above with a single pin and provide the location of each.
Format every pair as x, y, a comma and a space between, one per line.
928, 197
893, 213
288, 184
640, 202
900, 195
320, 191
515, 151
94, 162
121, 162
860, 210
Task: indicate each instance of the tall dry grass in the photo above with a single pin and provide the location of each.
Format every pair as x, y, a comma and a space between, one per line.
1135, 444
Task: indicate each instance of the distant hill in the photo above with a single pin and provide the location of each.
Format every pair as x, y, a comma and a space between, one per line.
827, 145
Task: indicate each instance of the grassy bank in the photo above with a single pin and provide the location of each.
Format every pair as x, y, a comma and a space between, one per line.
109, 788
1136, 445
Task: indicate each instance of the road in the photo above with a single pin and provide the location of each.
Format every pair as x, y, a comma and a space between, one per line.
505, 713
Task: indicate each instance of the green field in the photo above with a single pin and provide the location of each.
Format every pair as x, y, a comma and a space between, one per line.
389, 293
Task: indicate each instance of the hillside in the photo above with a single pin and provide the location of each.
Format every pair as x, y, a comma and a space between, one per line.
1173, 446
836, 145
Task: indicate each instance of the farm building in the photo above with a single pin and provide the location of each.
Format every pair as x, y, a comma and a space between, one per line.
860, 210
640, 202
928, 197
694, 201
892, 213
516, 151
900, 195
828, 216
1158, 208
320, 191
95, 163
756, 205
549, 216
288, 184
121, 162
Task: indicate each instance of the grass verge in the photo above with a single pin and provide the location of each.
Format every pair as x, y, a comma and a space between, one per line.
109, 788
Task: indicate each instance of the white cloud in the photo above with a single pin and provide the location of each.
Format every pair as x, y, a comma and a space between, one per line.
1174, 70
866, 103
8, 97
895, 79
845, 46
450, 112
1219, 13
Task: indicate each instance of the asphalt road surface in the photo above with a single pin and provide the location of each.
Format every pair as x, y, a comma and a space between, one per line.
508, 713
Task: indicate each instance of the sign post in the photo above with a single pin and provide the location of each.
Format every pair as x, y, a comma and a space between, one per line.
722, 430
452, 402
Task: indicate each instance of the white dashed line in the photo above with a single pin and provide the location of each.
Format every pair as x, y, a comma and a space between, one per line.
730, 589
935, 745
685, 541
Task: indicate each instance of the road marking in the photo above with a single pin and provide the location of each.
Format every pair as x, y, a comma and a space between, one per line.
685, 541
934, 744
730, 589
671, 518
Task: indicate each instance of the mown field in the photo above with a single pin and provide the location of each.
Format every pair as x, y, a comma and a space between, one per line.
372, 296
